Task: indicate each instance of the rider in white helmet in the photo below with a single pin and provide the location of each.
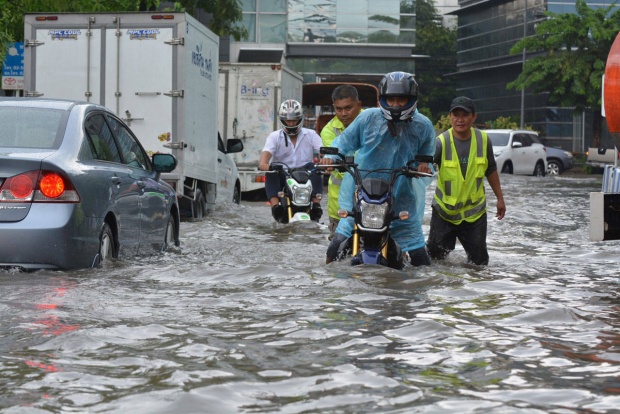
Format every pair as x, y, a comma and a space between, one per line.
295, 146
388, 137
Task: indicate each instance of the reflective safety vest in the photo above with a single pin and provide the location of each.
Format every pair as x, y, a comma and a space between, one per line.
462, 198
333, 188
329, 133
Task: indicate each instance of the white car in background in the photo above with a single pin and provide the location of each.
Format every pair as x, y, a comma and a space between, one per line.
229, 184
518, 151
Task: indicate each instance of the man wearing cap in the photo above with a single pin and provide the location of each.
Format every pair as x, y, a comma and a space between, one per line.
464, 155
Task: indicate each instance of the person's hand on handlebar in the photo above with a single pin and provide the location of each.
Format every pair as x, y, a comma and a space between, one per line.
327, 161
424, 168
263, 166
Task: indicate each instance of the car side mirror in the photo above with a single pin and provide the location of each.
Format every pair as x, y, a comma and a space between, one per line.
234, 145
517, 144
163, 163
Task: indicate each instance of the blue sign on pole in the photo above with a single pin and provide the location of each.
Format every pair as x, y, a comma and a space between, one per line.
13, 67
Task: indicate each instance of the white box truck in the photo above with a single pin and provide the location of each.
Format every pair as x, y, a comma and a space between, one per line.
249, 99
157, 71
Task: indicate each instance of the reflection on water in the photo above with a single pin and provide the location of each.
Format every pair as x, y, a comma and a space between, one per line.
246, 317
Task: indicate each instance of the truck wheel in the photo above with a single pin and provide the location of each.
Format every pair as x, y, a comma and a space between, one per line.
107, 246
237, 194
199, 206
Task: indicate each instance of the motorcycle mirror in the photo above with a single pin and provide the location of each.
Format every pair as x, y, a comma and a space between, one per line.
423, 158
329, 150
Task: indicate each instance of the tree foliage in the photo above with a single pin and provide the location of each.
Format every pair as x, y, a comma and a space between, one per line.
572, 52
502, 122
226, 13
438, 43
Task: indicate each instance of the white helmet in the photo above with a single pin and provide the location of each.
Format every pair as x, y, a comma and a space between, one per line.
291, 110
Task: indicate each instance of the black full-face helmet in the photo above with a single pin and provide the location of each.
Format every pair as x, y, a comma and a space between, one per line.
291, 110
398, 84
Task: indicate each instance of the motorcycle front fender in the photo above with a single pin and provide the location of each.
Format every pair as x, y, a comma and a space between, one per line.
371, 257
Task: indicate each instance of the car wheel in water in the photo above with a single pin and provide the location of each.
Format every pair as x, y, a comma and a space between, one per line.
539, 170
171, 231
107, 247
554, 167
507, 168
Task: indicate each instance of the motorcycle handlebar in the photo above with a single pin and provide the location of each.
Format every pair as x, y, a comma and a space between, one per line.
280, 166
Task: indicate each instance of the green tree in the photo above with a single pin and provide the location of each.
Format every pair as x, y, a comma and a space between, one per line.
443, 124
572, 51
227, 16
438, 43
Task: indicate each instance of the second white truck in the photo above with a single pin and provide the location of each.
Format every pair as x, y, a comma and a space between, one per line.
249, 98
159, 72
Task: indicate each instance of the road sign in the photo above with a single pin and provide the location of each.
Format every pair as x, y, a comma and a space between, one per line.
13, 67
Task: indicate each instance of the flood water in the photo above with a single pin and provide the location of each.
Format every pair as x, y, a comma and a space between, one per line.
246, 318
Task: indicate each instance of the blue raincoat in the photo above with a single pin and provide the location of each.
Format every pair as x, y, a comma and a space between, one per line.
368, 134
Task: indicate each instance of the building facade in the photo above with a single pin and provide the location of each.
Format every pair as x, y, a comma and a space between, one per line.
487, 30
330, 40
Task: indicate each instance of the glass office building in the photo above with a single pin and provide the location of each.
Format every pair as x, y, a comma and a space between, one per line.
357, 40
487, 30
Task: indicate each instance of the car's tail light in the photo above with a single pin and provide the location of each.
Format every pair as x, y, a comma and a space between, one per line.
52, 185
22, 186
38, 187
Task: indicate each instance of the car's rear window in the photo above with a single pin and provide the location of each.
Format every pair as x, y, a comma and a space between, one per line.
498, 139
31, 127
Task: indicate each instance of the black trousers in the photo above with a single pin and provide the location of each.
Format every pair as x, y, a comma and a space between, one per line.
472, 236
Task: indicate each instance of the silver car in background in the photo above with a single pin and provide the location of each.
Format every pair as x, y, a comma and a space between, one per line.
559, 160
76, 187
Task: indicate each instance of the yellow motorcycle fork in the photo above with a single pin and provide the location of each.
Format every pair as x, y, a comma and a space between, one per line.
356, 241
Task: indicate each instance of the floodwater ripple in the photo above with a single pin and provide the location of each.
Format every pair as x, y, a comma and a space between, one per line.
246, 318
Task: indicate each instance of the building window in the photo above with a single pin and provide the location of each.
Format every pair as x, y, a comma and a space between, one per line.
346, 21
265, 20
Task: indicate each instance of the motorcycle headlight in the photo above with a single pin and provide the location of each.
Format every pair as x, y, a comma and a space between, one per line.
373, 215
301, 195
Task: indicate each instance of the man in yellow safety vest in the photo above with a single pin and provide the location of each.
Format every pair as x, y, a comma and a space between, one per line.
347, 106
465, 157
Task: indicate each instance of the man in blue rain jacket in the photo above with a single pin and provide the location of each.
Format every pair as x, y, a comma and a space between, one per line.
389, 137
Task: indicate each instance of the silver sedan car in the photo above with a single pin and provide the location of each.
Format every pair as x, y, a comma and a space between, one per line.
77, 188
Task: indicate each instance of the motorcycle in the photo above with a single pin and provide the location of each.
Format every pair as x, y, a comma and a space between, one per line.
296, 196
373, 211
